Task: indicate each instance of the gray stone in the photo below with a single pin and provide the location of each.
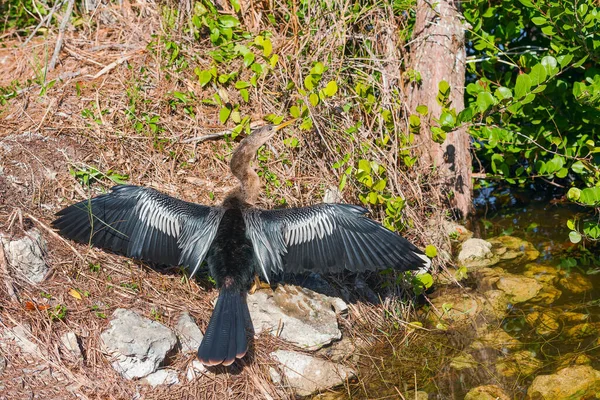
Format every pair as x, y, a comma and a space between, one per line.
195, 369
308, 375
477, 253
578, 382
162, 377
297, 315
26, 255
188, 333
137, 345
71, 343
21, 335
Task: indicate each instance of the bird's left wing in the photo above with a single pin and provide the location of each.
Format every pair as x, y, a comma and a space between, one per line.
327, 238
143, 223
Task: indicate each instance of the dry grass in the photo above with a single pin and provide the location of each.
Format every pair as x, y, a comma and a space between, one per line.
107, 67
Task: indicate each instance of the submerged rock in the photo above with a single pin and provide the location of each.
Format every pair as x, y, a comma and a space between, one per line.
458, 306
544, 322
308, 375
573, 359
518, 288
297, 315
188, 333
487, 392
542, 273
569, 316
477, 253
137, 345
574, 282
513, 248
581, 331
463, 362
26, 255
521, 363
495, 338
579, 382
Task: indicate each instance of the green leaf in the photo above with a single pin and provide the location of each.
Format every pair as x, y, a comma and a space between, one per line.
248, 59
422, 109
308, 83
575, 237
550, 65
267, 47
539, 20
548, 30
242, 85
245, 94
273, 61
204, 77
503, 93
578, 167
523, 85
228, 21
484, 101
414, 121
331, 88
364, 165
295, 111
426, 280
447, 120
444, 87
317, 69
430, 251
574, 194
224, 114
314, 99
571, 224
590, 196
236, 5
562, 173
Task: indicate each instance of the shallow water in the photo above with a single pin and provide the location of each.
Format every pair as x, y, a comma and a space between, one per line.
424, 361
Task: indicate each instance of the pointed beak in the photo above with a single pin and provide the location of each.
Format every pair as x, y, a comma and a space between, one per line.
283, 125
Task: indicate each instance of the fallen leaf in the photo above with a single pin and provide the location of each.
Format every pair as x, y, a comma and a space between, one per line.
75, 293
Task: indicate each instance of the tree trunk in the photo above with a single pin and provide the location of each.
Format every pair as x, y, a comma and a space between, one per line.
438, 53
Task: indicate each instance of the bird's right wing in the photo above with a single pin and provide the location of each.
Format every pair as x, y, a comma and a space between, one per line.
143, 223
327, 238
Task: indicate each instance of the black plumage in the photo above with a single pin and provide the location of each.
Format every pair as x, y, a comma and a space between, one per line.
237, 240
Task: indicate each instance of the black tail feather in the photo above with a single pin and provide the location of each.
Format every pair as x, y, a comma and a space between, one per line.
225, 338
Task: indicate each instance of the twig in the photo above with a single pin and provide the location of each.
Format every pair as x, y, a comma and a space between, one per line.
212, 136
112, 65
45, 20
8, 282
61, 35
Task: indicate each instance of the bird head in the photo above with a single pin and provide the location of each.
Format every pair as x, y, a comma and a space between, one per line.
264, 133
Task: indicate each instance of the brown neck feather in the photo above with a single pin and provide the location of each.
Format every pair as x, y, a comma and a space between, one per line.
241, 167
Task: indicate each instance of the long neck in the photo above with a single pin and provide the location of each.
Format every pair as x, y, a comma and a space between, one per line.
241, 167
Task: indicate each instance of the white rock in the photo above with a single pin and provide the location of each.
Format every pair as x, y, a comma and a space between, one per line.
137, 344
307, 375
196, 368
477, 253
26, 255
188, 333
297, 315
21, 335
71, 343
162, 377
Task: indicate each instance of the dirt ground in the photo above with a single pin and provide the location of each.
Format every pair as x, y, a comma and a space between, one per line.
95, 122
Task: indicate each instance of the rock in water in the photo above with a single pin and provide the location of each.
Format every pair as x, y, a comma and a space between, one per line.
308, 375
297, 315
578, 382
26, 255
137, 344
477, 253
487, 392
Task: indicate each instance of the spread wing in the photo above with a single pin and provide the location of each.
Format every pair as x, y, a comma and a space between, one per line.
143, 223
327, 238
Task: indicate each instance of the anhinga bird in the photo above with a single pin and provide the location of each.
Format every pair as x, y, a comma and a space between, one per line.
236, 240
